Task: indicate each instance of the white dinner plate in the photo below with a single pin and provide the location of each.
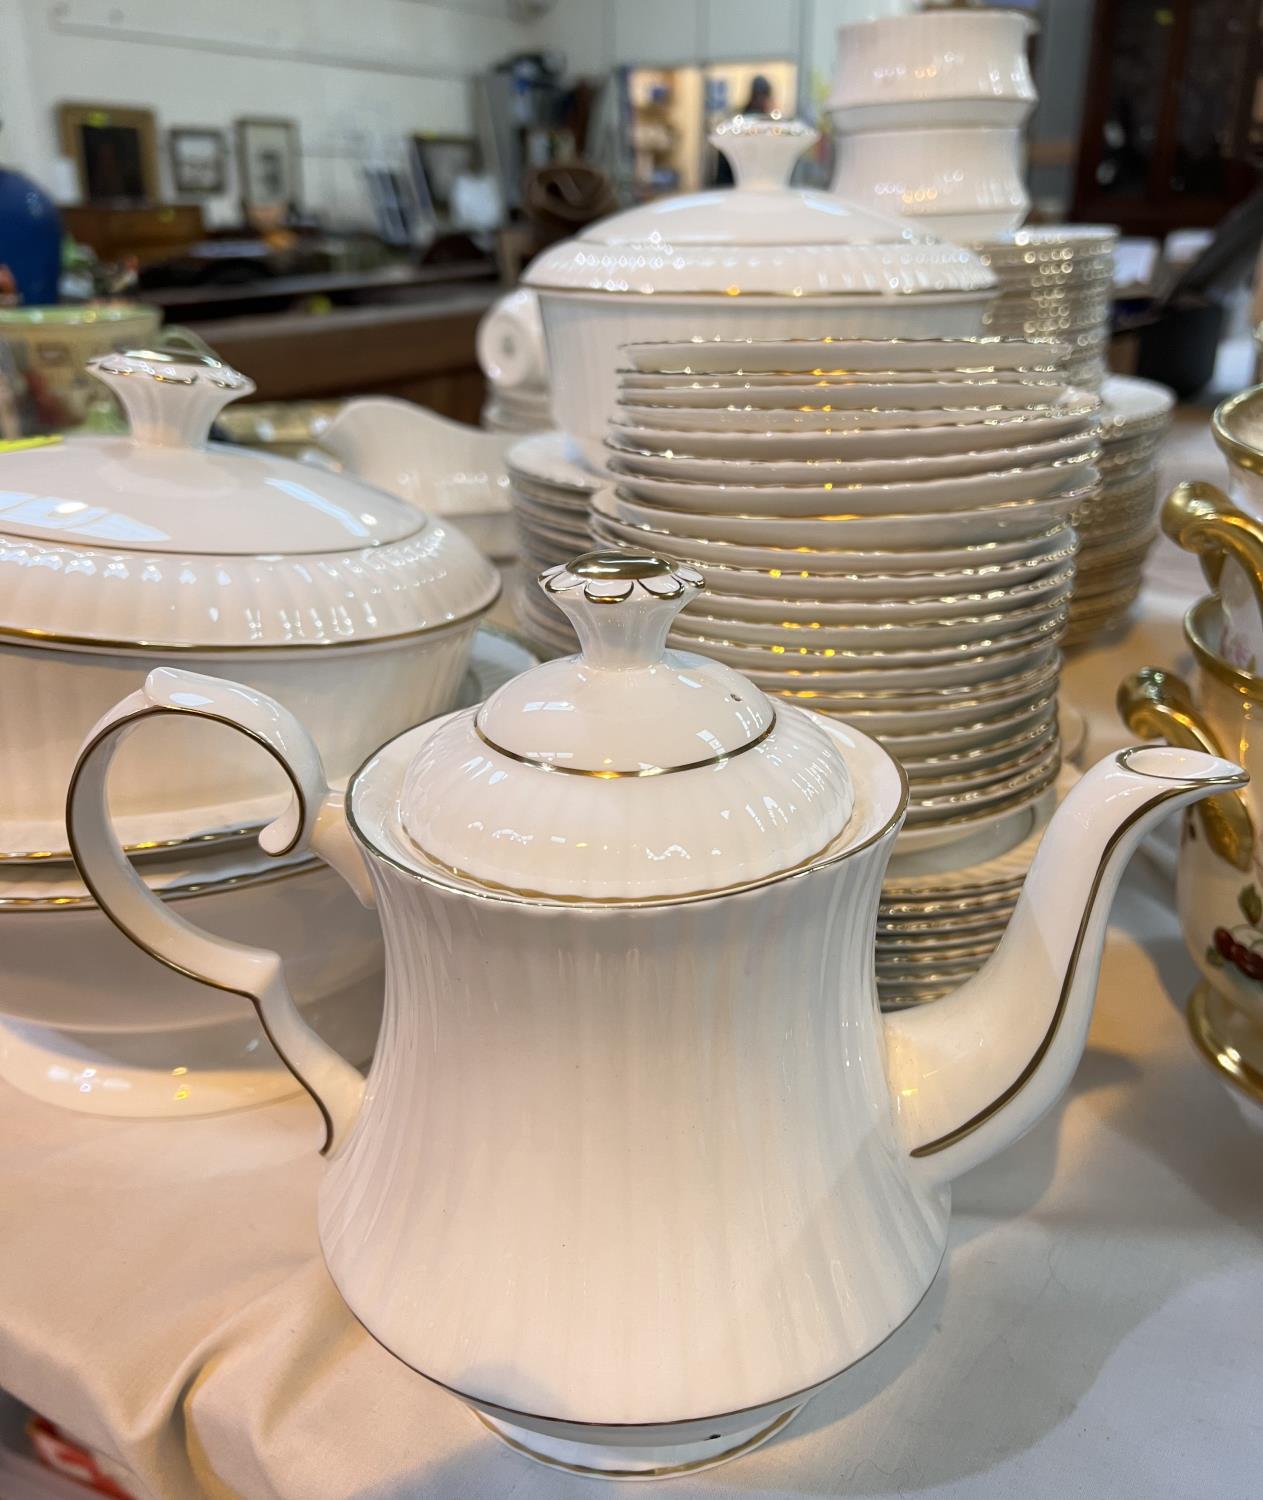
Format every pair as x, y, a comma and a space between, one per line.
965, 492
803, 537
866, 655
702, 355
874, 395
880, 628
861, 419
822, 572
985, 727
905, 683
1009, 429
1015, 587
791, 382
905, 468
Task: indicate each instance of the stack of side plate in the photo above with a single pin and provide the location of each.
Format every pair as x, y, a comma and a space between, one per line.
944, 912
885, 532
1118, 527
550, 496
1056, 283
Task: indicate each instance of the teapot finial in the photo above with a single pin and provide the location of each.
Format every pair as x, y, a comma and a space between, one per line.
621, 604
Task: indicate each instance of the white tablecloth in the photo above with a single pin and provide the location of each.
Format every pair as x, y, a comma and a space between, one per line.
1095, 1331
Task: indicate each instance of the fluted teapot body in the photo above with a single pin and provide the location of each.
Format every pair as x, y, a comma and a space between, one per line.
639, 1166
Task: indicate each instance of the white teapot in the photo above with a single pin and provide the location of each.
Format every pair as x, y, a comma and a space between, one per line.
640, 1167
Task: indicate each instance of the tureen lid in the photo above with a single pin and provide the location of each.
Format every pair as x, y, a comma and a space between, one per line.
628, 771
762, 237
163, 538
165, 488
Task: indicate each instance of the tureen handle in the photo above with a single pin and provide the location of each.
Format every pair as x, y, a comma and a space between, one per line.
171, 396
312, 819
762, 149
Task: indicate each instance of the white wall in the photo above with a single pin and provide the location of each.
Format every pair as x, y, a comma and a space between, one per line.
357, 75
600, 34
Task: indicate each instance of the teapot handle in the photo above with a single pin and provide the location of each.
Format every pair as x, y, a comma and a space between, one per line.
313, 819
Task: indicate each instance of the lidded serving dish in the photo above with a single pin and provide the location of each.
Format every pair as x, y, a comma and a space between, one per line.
119, 553
629, 771
764, 260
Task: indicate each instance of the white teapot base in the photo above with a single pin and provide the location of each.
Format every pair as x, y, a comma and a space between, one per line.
598, 1458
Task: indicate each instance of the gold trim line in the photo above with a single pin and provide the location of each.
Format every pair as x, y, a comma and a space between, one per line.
1241, 453
989, 1111
292, 648
693, 765
1245, 683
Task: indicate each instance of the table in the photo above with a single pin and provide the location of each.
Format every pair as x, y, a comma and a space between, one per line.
1095, 1331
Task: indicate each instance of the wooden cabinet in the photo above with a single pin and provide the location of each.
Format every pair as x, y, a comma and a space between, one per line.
1168, 126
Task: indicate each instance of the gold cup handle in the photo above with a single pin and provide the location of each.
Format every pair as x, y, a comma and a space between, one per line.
1199, 517
1157, 705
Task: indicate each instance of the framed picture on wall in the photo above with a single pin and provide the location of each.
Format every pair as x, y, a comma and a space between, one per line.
115, 151
440, 160
199, 161
268, 163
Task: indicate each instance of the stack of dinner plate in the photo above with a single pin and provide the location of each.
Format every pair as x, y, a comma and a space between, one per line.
886, 532
549, 493
1056, 283
1118, 527
944, 911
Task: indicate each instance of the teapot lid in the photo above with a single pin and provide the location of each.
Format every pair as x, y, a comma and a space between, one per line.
629, 771
760, 237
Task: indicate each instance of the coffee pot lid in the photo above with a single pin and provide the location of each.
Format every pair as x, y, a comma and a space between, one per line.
628, 771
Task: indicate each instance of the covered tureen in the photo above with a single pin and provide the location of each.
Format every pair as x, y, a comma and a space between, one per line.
761, 261
120, 553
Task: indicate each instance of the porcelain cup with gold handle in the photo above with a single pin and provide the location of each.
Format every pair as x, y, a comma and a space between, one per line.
1219, 879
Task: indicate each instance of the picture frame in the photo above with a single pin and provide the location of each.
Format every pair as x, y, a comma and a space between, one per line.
268, 163
199, 161
114, 149
439, 160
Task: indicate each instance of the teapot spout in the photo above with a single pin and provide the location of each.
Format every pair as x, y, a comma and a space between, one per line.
974, 1071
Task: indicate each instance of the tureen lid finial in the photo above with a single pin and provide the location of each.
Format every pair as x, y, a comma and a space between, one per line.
762, 149
171, 395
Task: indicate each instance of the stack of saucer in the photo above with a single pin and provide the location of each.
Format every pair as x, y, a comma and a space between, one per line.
1118, 527
885, 532
527, 409
1056, 283
549, 494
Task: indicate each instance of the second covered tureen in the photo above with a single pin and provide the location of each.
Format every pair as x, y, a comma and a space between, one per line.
120, 553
